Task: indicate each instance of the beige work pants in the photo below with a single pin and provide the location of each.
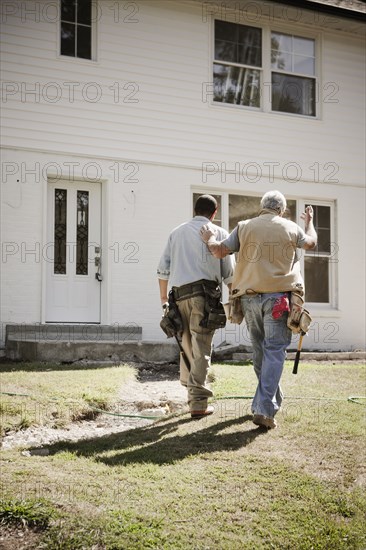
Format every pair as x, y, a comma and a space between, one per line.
197, 344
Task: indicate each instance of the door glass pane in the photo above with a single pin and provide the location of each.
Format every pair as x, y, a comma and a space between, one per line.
316, 279
236, 85
82, 232
59, 264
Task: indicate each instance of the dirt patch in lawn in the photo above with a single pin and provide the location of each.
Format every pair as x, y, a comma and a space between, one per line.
157, 392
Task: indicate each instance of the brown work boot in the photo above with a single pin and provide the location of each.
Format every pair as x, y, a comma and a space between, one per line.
201, 413
265, 421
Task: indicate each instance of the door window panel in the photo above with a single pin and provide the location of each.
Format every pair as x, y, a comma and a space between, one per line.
82, 232
59, 263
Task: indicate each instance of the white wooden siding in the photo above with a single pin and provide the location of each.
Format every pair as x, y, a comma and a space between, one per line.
169, 133
167, 55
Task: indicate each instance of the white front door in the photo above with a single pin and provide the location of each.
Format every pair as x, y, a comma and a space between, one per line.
73, 252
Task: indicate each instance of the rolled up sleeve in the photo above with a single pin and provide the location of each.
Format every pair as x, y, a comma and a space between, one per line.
227, 269
232, 241
227, 263
163, 269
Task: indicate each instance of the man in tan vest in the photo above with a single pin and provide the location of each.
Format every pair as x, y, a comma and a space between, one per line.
267, 270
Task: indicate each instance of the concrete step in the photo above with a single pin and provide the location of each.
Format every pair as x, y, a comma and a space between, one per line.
65, 342
103, 351
73, 332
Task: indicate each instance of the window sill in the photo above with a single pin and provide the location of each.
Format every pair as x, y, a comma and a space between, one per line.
322, 310
80, 60
257, 110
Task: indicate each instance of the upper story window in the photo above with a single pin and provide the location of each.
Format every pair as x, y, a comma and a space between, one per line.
76, 28
293, 74
238, 62
243, 69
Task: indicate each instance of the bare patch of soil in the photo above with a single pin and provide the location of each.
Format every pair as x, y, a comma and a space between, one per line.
157, 392
18, 538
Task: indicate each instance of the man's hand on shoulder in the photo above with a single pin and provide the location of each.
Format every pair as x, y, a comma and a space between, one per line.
207, 233
217, 249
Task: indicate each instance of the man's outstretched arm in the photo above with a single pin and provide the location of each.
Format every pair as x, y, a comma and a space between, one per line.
216, 248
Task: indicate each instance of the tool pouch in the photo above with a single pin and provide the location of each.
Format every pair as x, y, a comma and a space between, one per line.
172, 323
299, 319
215, 316
233, 310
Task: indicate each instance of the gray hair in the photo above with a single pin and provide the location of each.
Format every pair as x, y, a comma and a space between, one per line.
274, 200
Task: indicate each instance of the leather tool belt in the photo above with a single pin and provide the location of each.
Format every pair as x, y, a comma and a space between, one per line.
192, 289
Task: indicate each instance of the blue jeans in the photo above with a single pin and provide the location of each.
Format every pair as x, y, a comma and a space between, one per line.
270, 338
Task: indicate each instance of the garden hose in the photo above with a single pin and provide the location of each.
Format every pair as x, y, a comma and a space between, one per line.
352, 399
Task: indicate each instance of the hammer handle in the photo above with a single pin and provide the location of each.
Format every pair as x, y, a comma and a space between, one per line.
297, 358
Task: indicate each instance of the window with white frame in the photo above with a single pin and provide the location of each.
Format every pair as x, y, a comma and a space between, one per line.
318, 265
218, 216
241, 67
76, 28
293, 74
238, 64
318, 262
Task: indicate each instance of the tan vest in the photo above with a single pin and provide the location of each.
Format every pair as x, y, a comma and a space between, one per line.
267, 259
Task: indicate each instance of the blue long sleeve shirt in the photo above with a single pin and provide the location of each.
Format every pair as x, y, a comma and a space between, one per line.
186, 258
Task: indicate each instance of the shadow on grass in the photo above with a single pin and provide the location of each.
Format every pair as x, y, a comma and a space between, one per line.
160, 444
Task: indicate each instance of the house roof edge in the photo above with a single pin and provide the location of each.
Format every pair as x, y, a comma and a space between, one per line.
337, 8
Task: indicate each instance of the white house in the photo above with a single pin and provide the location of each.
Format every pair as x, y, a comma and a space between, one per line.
115, 115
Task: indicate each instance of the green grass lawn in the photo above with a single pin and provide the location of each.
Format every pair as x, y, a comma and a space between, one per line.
216, 483
54, 395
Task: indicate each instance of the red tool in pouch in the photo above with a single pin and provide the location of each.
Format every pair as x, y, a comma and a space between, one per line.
280, 306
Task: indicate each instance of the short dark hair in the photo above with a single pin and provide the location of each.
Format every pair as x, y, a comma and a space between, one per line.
205, 206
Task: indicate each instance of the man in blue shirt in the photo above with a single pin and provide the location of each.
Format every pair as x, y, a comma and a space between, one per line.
267, 271
187, 267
